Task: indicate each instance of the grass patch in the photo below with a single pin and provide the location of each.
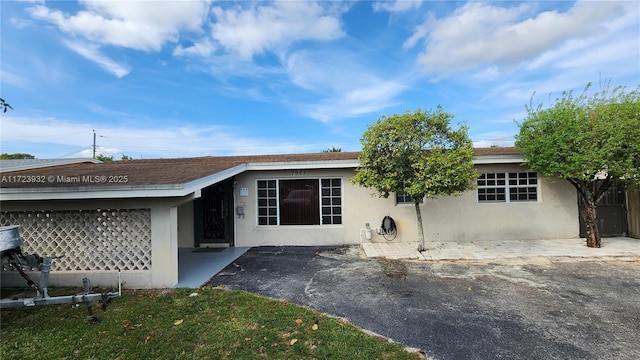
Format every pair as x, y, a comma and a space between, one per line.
171, 324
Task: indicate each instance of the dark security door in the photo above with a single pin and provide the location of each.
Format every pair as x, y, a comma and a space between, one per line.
612, 213
214, 215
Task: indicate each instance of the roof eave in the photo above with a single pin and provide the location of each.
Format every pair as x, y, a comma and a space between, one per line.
179, 190
92, 192
120, 191
294, 165
499, 159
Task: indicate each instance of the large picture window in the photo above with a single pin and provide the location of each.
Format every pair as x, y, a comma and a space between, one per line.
508, 187
300, 201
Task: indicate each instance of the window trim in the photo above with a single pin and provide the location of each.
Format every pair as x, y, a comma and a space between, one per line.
320, 205
405, 201
507, 186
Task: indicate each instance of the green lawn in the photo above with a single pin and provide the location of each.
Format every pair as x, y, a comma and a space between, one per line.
215, 324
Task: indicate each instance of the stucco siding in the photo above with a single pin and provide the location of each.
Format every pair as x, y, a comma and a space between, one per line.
185, 225
460, 218
164, 250
248, 233
162, 266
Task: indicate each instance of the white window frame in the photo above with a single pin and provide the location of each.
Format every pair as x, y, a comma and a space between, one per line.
406, 199
502, 183
320, 198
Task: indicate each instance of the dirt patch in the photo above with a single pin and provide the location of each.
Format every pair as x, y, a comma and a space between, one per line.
394, 269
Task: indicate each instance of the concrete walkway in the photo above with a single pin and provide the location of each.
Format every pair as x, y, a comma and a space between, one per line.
196, 268
621, 248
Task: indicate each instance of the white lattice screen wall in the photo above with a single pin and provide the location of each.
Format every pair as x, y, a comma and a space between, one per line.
88, 239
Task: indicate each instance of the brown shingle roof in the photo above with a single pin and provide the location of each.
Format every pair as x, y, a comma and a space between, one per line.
170, 171
496, 151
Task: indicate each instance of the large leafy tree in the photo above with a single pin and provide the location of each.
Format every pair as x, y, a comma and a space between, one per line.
592, 141
416, 154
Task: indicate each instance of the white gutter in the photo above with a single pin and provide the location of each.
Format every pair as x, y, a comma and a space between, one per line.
499, 159
335, 164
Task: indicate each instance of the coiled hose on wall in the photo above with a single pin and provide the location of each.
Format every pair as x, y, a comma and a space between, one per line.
388, 228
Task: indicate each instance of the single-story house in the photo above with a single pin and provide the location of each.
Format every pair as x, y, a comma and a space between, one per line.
133, 216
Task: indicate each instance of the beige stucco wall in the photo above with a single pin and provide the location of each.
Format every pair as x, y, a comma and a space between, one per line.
555, 215
185, 225
164, 243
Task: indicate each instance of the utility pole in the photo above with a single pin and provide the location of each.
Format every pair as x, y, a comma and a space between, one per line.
94, 143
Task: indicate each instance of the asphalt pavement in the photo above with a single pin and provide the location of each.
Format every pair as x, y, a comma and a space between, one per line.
536, 308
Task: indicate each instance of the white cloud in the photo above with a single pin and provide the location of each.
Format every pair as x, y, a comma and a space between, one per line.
346, 86
169, 141
396, 6
312, 71
421, 31
9, 78
615, 51
92, 52
359, 100
139, 25
494, 138
479, 34
252, 31
20, 23
202, 48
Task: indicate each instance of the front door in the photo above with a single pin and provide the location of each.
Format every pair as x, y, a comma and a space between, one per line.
611, 213
214, 215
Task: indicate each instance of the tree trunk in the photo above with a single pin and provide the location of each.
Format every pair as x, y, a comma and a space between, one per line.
421, 247
591, 192
589, 217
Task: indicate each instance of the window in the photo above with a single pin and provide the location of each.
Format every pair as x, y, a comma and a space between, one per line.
508, 187
523, 186
300, 202
267, 202
405, 199
331, 201
491, 187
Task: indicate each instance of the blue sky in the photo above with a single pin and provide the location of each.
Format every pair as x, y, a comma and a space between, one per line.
193, 78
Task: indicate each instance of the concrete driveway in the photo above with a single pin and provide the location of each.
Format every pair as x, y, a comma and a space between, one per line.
508, 309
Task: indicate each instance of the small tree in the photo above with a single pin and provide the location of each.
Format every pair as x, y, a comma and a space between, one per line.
332, 149
104, 158
591, 141
416, 154
16, 156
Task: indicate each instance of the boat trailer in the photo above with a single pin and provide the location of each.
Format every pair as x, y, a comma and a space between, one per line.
12, 257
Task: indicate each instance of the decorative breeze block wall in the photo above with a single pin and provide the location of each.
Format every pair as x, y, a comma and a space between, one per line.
90, 240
